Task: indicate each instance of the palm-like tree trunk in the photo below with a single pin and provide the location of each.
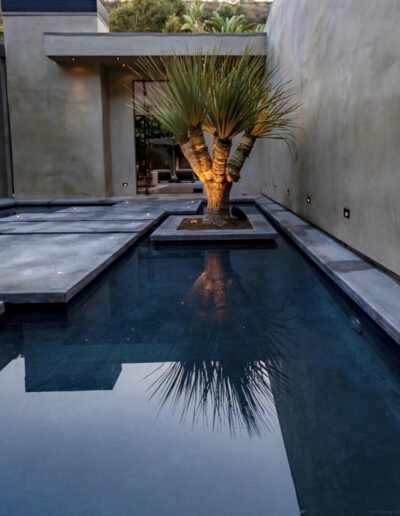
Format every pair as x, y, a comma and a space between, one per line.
239, 157
217, 212
218, 189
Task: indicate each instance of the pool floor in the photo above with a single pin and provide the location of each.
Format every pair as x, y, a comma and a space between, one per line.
200, 381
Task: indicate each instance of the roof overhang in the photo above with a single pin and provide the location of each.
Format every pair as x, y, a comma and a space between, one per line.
104, 47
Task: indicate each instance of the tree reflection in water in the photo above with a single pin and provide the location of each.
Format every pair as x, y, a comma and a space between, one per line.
234, 350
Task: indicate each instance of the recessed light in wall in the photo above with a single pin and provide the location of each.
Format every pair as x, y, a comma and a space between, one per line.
73, 59
125, 185
288, 192
346, 213
308, 199
118, 58
123, 65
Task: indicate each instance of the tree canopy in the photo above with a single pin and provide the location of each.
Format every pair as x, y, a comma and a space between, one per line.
147, 16
177, 16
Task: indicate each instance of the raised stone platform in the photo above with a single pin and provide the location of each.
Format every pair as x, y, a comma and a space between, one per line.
53, 268
49, 257
169, 232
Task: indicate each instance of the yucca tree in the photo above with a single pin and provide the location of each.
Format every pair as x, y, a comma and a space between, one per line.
227, 97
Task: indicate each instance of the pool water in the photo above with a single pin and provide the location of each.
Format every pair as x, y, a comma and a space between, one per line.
200, 381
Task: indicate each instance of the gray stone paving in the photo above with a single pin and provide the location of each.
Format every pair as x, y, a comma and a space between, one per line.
53, 268
49, 257
373, 290
72, 227
108, 214
169, 232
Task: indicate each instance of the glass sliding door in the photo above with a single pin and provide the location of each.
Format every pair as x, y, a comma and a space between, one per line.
159, 159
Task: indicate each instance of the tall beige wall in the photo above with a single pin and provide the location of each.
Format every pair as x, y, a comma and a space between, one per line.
344, 59
56, 113
5, 146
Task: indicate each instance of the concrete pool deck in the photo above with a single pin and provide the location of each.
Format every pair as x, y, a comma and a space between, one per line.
375, 291
50, 257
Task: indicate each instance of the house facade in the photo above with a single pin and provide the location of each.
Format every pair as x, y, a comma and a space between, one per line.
70, 86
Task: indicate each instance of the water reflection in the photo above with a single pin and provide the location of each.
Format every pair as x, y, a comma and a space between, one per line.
221, 330
216, 354
225, 378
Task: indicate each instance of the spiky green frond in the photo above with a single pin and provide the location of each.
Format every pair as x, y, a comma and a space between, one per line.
223, 95
178, 104
232, 94
276, 110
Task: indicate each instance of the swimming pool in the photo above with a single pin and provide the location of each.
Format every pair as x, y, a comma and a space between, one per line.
200, 381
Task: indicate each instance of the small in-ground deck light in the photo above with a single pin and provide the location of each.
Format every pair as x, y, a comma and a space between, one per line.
125, 184
308, 199
346, 213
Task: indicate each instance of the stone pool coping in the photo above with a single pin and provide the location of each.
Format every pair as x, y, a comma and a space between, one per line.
375, 291
169, 232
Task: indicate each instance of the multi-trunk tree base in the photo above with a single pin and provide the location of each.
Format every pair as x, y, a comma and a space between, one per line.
217, 212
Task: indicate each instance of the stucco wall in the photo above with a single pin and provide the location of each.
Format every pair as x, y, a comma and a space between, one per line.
122, 133
56, 113
344, 59
5, 147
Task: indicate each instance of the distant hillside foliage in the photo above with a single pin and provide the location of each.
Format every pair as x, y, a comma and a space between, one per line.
173, 16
